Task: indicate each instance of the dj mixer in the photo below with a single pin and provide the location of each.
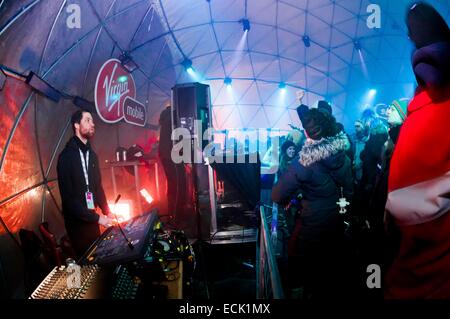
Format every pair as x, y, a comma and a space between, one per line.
137, 259
123, 244
66, 283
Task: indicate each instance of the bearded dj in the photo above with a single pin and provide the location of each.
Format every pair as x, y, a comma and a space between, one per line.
80, 185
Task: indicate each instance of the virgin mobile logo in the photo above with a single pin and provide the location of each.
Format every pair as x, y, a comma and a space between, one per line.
115, 95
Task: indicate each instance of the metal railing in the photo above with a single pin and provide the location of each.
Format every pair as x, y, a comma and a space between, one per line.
268, 281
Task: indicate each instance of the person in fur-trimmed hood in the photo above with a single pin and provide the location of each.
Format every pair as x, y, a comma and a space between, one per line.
418, 201
322, 173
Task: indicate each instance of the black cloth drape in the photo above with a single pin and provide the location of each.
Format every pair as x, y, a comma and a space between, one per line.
245, 177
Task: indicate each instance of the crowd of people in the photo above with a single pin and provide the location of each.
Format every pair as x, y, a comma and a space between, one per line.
395, 173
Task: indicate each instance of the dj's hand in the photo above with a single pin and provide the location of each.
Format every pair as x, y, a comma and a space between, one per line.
107, 212
113, 219
105, 221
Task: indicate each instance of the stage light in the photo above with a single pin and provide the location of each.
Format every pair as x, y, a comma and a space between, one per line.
281, 100
191, 72
195, 76
187, 64
357, 45
227, 82
245, 25
369, 97
306, 41
127, 62
146, 195
121, 210
42, 87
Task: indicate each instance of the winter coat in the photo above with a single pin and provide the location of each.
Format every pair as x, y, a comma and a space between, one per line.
371, 160
319, 174
384, 247
357, 147
379, 195
81, 223
419, 184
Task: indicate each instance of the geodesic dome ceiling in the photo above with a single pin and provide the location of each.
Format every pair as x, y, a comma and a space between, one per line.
344, 60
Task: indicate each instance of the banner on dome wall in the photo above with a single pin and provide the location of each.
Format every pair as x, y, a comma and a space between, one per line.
115, 95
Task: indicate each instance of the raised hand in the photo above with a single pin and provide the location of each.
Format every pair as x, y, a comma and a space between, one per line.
299, 96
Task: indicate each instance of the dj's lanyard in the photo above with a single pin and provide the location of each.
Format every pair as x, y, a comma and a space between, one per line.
85, 167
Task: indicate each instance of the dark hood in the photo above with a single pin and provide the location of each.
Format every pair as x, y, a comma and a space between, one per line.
431, 66
426, 26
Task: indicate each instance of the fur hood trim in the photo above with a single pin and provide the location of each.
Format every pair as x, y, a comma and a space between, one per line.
315, 151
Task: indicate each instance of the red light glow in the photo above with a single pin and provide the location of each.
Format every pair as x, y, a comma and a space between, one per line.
122, 210
146, 195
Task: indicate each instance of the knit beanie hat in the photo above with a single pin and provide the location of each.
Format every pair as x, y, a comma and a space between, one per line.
401, 106
319, 124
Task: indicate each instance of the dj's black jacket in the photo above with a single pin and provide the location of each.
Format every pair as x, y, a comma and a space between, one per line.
81, 223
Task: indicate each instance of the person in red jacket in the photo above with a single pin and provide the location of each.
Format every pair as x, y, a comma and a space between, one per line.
419, 180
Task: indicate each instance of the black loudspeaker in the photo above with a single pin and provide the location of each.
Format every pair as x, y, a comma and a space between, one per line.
191, 110
191, 102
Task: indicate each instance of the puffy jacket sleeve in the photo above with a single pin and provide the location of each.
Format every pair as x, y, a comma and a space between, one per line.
288, 184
